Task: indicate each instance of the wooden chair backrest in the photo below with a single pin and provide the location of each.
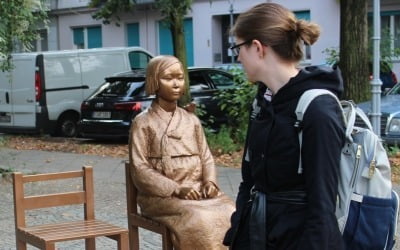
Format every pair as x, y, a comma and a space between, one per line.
23, 203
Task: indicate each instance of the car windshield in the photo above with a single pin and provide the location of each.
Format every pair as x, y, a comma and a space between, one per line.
120, 88
395, 90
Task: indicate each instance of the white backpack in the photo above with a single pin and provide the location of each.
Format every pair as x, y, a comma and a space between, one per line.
367, 207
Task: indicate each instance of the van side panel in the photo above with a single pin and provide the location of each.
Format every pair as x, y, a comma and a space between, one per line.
63, 84
95, 67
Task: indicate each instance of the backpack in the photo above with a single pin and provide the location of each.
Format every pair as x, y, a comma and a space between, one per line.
367, 208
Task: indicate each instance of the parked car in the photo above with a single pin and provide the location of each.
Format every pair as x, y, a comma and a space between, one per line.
108, 112
390, 115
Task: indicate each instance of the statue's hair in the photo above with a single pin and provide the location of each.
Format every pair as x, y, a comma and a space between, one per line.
275, 26
156, 66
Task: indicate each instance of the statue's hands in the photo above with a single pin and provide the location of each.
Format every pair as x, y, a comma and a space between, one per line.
187, 193
209, 190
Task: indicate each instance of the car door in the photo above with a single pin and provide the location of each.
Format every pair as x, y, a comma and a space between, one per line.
202, 93
220, 81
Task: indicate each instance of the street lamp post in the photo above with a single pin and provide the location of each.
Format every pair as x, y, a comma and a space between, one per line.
231, 25
376, 81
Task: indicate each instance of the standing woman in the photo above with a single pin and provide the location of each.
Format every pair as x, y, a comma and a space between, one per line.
277, 207
172, 166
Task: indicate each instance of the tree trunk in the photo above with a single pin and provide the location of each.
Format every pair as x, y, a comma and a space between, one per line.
178, 38
354, 49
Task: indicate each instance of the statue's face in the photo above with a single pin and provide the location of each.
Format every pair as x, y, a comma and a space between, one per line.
171, 83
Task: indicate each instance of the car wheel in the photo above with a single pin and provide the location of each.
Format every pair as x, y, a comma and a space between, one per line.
67, 126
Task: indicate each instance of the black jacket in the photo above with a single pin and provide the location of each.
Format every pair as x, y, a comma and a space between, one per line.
271, 160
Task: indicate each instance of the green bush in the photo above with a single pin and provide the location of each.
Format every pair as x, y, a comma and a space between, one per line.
392, 150
236, 103
222, 141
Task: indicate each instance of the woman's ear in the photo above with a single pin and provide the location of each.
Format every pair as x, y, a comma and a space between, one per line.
261, 49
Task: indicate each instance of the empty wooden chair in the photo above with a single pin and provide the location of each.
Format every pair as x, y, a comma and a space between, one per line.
135, 220
45, 236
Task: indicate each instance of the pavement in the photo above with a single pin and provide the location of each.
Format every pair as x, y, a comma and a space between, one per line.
110, 199
109, 189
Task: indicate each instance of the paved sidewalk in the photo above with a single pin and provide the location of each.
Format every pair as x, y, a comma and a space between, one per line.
110, 199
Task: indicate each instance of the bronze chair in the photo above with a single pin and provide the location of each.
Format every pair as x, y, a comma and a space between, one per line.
135, 220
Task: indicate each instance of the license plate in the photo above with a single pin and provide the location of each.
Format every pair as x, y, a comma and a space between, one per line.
101, 115
5, 118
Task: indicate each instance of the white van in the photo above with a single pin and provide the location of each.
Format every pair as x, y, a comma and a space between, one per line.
44, 91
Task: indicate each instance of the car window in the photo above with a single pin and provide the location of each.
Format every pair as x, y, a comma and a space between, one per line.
122, 88
221, 81
138, 59
197, 82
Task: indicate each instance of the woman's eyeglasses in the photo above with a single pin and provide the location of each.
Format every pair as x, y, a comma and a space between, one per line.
236, 48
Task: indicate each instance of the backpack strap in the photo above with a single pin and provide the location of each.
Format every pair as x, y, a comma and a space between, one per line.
306, 98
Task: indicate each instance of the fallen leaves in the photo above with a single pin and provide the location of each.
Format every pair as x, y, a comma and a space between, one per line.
93, 147
120, 149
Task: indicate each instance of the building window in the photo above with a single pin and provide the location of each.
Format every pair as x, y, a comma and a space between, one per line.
87, 37
390, 30
305, 15
132, 34
41, 44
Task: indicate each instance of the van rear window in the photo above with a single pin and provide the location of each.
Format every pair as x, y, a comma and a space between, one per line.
138, 59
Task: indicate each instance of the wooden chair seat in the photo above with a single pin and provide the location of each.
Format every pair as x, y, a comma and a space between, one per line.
136, 220
70, 231
45, 236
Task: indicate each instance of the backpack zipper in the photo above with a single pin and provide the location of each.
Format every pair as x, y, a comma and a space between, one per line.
356, 165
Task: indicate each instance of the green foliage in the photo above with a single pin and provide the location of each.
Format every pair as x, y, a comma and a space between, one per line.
386, 51
3, 140
202, 113
236, 102
222, 141
332, 55
172, 9
393, 150
108, 11
19, 20
6, 171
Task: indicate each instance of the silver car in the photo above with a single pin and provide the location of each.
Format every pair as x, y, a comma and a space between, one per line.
390, 119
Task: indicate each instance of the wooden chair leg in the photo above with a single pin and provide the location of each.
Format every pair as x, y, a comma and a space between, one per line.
50, 246
90, 244
166, 240
134, 238
21, 245
123, 241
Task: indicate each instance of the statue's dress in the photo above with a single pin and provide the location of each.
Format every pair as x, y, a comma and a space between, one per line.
168, 149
